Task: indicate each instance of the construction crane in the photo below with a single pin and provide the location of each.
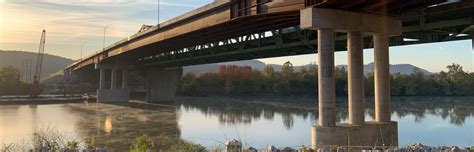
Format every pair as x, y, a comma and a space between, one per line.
39, 64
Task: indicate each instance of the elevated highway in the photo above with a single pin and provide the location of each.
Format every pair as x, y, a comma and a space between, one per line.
230, 30
227, 24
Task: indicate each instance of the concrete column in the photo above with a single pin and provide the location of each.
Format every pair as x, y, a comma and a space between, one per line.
161, 84
102, 79
326, 87
113, 78
125, 79
115, 93
382, 78
356, 78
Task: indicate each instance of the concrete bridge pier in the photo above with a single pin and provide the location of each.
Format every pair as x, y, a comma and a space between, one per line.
116, 92
357, 132
161, 84
355, 78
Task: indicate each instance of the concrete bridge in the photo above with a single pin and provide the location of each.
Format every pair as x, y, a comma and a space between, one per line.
230, 30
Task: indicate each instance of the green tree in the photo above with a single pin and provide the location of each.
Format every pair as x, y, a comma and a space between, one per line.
188, 84
269, 72
287, 71
341, 81
460, 80
9, 80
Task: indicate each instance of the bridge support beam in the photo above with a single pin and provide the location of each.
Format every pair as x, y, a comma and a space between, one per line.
162, 84
114, 93
382, 131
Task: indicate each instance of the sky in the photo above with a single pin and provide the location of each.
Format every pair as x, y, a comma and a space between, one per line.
70, 23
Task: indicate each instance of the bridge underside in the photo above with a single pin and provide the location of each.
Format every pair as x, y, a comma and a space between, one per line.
292, 41
294, 33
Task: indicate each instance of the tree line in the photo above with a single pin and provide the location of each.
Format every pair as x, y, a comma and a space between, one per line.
233, 80
10, 83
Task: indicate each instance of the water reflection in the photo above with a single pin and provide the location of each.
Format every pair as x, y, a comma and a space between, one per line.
118, 125
103, 125
287, 122
211, 121
456, 109
230, 113
108, 124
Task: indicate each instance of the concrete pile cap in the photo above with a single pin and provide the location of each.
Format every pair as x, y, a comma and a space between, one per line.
233, 142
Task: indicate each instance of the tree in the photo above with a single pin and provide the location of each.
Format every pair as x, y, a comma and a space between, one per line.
287, 70
341, 81
188, 84
269, 72
242, 80
9, 82
460, 80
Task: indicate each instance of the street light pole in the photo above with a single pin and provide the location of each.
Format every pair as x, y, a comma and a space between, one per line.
82, 45
158, 14
103, 42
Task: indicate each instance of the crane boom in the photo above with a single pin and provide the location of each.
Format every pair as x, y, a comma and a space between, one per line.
39, 63
39, 59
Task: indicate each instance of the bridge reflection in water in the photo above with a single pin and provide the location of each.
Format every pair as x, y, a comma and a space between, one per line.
211, 121
116, 126
421, 119
454, 109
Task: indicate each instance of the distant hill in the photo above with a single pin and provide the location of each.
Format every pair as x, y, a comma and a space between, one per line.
394, 68
199, 69
51, 63
255, 64
259, 65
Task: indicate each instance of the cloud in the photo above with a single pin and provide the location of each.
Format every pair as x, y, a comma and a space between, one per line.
69, 22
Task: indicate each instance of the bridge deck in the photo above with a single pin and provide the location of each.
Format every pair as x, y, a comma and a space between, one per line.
224, 19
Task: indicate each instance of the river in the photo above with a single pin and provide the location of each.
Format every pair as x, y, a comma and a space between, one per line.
211, 121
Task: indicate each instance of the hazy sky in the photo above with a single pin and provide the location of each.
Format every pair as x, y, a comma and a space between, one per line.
69, 23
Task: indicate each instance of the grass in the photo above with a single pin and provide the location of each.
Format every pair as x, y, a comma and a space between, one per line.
52, 139
6, 147
143, 144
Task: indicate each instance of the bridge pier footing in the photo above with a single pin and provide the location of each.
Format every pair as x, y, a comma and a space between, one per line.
380, 132
161, 84
114, 93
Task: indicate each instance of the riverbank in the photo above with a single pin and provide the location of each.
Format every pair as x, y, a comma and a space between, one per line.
42, 99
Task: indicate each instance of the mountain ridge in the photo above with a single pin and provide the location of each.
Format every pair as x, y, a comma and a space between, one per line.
259, 65
51, 63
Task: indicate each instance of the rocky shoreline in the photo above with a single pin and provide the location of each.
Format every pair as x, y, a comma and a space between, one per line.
235, 146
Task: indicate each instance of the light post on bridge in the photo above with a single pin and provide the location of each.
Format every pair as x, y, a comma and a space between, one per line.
103, 42
82, 45
158, 14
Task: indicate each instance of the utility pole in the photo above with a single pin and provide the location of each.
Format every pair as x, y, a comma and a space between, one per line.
29, 71
18, 86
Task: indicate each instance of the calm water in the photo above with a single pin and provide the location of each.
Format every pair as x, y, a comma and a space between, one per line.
212, 121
